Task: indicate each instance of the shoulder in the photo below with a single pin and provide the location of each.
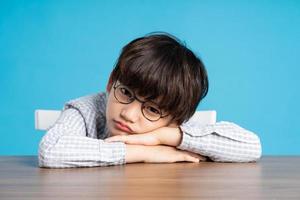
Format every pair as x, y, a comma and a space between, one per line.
92, 106
90, 101
90, 98
92, 109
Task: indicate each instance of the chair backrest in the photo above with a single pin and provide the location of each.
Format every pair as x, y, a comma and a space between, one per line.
44, 119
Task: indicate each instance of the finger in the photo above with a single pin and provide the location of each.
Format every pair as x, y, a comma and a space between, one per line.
189, 158
200, 157
138, 139
118, 138
194, 157
128, 139
141, 139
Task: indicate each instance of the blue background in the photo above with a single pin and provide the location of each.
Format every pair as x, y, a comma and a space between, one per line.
53, 51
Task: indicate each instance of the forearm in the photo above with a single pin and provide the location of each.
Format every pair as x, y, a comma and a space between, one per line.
78, 151
134, 153
223, 142
159, 154
171, 136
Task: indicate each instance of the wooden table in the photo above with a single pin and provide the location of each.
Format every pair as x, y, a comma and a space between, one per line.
270, 178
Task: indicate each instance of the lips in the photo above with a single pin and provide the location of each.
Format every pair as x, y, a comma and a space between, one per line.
121, 126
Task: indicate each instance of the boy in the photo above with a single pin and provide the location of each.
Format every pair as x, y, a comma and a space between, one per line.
145, 115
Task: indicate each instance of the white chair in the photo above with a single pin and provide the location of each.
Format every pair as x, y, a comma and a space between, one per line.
44, 119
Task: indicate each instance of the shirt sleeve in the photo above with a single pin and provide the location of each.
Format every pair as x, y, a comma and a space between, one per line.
222, 142
66, 145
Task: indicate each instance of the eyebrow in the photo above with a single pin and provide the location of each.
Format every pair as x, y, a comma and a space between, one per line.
145, 99
139, 97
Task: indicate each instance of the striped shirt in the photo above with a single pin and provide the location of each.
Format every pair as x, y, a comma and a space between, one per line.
76, 139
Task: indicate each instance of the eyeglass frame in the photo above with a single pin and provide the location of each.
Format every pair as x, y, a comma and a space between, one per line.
135, 98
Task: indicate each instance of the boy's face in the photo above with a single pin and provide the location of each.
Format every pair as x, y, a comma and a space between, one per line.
131, 116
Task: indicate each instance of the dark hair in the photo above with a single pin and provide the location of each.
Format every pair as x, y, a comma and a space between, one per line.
160, 67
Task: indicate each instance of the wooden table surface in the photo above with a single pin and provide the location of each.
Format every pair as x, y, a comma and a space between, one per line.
270, 178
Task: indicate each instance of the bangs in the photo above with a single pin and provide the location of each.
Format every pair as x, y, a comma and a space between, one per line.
150, 78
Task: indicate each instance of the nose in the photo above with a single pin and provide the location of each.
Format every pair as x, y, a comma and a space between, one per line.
131, 112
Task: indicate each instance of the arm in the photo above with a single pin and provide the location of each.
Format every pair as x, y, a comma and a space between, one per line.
65, 145
223, 142
159, 154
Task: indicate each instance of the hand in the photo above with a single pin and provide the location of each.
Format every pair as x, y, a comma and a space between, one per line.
167, 154
160, 154
137, 139
170, 136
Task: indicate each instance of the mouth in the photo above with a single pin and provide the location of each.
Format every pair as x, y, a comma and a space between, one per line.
122, 127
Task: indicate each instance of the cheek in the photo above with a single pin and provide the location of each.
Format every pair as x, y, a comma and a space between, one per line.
111, 109
149, 126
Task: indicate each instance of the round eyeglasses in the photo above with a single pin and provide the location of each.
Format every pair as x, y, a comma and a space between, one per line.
150, 110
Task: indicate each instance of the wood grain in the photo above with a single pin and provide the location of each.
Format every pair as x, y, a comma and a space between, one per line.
270, 178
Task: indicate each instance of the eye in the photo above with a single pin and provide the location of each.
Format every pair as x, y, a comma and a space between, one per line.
153, 110
126, 92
